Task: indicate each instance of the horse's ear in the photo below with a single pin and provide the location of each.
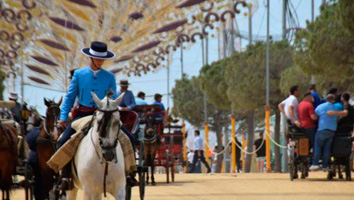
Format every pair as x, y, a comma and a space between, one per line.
46, 102
96, 100
60, 101
118, 100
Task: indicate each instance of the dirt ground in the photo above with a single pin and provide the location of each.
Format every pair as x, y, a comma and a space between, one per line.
241, 187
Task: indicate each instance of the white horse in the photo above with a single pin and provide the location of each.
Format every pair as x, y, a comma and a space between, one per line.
100, 152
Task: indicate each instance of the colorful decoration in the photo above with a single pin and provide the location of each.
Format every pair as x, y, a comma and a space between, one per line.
47, 36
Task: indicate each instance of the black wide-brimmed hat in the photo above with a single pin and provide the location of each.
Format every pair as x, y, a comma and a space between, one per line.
124, 83
98, 50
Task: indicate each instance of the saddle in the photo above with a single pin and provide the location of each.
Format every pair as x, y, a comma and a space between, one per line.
67, 152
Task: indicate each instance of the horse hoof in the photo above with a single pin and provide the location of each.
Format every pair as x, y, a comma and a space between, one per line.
153, 183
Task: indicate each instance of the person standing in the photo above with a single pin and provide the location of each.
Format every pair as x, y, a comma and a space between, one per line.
316, 97
238, 155
337, 101
259, 145
16, 111
198, 152
289, 106
327, 127
140, 100
128, 102
346, 122
308, 117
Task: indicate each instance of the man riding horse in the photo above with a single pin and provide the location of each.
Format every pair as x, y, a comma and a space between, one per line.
86, 80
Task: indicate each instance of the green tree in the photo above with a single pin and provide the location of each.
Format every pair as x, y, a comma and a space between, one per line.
325, 49
245, 76
294, 76
346, 14
188, 105
213, 83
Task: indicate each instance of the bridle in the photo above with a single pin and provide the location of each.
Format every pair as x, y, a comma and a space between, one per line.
152, 139
102, 129
52, 111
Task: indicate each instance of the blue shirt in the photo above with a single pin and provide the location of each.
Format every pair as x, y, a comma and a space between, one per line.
339, 106
326, 122
162, 108
140, 101
128, 99
160, 104
82, 84
317, 99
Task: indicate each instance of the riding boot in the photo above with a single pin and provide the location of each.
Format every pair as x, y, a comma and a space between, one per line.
66, 182
131, 180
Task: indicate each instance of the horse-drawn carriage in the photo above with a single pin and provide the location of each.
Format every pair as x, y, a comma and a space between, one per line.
13, 151
300, 156
299, 152
163, 147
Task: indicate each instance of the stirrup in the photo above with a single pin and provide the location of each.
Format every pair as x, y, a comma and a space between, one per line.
131, 181
66, 184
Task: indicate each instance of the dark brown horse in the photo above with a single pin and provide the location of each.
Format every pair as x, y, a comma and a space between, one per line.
151, 144
8, 157
46, 146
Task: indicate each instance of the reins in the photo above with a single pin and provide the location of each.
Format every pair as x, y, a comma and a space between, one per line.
106, 112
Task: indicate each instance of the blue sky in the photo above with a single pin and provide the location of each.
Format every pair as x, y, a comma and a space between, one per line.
152, 83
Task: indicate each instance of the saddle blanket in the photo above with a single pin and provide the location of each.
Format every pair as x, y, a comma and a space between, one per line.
67, 152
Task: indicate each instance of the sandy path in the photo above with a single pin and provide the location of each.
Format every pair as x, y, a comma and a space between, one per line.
242, 186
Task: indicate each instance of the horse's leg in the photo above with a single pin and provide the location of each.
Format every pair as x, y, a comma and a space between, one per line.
89, 195
71, 194
147, 175
147, 171
120, 194
7, 196
152, 172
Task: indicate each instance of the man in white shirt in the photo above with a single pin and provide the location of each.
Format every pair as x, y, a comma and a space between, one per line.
198, 152
289, 106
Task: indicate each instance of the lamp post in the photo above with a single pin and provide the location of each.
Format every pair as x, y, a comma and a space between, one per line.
267, 108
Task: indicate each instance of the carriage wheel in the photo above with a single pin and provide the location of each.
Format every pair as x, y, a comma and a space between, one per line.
128, 192
291, 163
28, 174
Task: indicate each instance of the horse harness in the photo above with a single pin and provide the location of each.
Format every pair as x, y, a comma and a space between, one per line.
50, 140
103, 126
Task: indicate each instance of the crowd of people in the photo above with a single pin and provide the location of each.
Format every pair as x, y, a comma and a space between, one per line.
320, 119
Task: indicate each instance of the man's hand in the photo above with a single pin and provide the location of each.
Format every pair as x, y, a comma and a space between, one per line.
199, 154
330, 113
62, 123
297, 123
124, 109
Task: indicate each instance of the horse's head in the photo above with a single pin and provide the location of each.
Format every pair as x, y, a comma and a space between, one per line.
52, 114
108, 124
34, 120
149, 131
